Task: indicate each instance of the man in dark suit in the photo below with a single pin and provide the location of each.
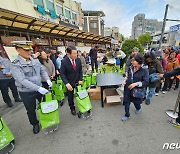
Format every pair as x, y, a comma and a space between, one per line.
93, 56
71, 74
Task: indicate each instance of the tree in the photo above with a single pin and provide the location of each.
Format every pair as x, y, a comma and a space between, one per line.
128, 45
144, 39
121, 37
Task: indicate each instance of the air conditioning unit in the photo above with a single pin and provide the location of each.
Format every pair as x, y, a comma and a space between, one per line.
71, 21
76, 23
62, 17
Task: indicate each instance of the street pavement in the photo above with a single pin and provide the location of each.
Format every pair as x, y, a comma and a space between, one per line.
103, 133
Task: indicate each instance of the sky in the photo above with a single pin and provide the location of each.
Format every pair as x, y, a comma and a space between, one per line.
120, 13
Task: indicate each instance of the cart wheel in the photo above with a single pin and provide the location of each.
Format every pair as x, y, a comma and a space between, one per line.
61, 103
79, 115
89, 111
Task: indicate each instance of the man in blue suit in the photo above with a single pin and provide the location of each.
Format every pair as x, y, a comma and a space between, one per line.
71, 74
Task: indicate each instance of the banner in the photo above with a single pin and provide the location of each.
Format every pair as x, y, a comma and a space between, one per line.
11, 52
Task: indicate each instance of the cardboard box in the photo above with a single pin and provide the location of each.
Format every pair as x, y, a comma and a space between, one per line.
111, 96
95, 93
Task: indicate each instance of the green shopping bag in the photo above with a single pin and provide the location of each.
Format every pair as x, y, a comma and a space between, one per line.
59, 91
88, 81
84, 84
53, 85
93, 78
6, 137
82, 100
60, 81
48, 112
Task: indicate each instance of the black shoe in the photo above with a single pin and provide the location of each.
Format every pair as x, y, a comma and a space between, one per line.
9, 104
18, 100
175, 88
147, 102
73, 112
36, 129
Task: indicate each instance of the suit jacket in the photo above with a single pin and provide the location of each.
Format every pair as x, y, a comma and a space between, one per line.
67, 72
53, 57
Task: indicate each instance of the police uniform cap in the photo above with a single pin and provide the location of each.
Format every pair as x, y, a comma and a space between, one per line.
26, 45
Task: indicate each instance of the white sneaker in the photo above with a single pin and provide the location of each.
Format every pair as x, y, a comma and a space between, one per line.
163, 92
156, 94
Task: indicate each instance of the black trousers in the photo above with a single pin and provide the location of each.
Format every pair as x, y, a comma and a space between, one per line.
158, 88
29, 100
70, 95
122, 63
94, 63
169, 82
5, 84
178, 99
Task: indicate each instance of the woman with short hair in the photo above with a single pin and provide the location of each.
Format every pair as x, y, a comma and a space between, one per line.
137, 77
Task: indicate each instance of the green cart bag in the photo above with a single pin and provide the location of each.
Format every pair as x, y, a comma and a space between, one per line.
64, 88
48, 113
53, 85
88, 81
59, 93
6, 138
83, 103
93, 78
84, 83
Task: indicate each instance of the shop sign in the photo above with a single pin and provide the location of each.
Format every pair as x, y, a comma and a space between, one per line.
80, 44
40, 42
8, 39
55, 42
174, 28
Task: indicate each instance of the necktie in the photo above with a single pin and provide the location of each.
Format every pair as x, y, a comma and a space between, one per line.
73, 64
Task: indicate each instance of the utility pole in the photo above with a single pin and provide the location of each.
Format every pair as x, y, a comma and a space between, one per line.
164, 24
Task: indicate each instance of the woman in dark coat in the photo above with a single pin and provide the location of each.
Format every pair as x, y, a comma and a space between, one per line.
138, 76
154, 66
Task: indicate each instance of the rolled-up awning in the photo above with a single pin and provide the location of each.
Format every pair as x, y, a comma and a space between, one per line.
16, 20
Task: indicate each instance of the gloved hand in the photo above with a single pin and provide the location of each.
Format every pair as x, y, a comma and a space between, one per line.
42, 90
49, 83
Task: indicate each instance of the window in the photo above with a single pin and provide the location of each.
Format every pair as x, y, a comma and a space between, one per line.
67, 13
38, 2
74, 16
50, 5
59, 8
93, 25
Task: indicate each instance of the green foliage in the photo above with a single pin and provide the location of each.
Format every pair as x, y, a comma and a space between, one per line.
144, 39
128, 45
121, 38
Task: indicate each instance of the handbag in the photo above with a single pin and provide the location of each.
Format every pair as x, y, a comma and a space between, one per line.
154, 77
137, 92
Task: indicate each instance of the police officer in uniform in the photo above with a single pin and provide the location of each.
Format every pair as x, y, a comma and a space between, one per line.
27, 72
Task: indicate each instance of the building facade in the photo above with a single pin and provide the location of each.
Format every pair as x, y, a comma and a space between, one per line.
94, 22
142, 25
63, 12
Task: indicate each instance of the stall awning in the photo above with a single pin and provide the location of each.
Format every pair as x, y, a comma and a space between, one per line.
16, 20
